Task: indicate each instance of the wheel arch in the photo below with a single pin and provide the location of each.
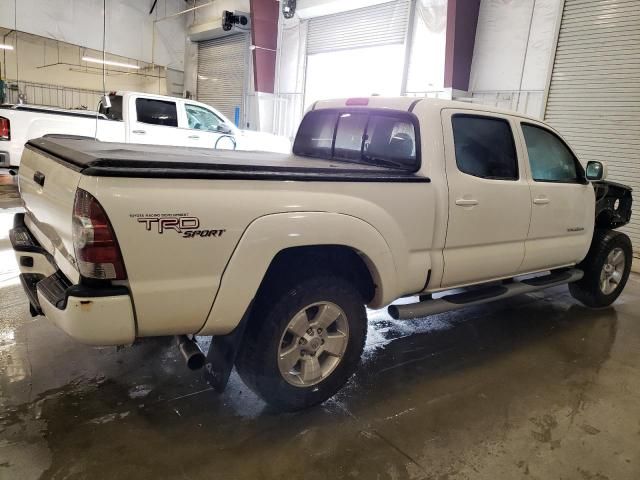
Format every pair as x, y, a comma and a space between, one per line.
272, 242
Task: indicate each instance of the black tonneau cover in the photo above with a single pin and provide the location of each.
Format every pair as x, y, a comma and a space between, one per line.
104, 159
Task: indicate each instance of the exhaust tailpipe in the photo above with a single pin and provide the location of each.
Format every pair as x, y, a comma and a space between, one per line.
191, 352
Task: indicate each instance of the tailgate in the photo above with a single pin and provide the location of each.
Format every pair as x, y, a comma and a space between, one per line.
48, 188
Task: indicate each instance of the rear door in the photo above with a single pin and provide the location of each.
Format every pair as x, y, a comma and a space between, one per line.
489, 200
563, 203
155, 122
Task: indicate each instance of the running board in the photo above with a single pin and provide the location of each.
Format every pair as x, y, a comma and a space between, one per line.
481, 295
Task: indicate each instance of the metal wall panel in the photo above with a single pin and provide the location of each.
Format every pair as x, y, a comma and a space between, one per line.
384, 24
594, 95
222, 73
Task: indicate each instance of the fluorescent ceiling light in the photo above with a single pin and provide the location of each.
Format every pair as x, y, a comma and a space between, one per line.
6, 47
109, 62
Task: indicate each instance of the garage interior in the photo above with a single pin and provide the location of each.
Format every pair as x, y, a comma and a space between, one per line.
536, 386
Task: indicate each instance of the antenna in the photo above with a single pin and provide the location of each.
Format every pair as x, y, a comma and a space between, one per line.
104, 99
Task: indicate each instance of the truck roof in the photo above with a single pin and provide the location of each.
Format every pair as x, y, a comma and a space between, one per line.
408, 103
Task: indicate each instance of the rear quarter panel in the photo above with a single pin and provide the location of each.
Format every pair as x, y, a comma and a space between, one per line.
174, 279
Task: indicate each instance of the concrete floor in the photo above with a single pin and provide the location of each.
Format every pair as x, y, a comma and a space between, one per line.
535, 387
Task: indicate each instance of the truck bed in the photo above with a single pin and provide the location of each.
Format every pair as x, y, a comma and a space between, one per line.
94, 158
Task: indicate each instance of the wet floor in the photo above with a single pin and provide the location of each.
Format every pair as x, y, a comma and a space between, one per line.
535, 387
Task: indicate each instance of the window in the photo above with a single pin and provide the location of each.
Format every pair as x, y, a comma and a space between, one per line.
203, 119
391, 138
157, 112
485, 147
349, 136
362, 136
549, 157
315, 135
115, 111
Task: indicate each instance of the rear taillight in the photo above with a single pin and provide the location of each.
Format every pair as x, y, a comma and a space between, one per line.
5, 129
97, 251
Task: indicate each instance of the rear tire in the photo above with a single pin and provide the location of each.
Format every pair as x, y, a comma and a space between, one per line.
292, 364
606, 269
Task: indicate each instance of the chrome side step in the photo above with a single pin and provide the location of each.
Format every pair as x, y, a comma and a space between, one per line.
477, 296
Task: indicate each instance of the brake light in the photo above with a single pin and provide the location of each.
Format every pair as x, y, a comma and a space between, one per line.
357, 101
97, 251
5, 129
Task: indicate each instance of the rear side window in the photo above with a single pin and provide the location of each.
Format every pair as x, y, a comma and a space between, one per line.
361, 136
485, 147
549, 157
157, 112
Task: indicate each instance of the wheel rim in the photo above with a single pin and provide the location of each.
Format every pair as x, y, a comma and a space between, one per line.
313, 344
612, 271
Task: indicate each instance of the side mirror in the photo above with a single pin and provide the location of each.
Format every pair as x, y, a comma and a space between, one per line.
223, 129
596, 171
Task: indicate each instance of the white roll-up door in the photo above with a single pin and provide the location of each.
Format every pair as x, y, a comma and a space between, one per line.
222, 73
594, 95
384, 24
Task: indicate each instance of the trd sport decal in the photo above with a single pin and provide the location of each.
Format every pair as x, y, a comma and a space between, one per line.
182, 223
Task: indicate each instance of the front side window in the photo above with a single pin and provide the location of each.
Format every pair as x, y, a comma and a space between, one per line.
362, 136
485, 147
202, 119
157, 112
549, 157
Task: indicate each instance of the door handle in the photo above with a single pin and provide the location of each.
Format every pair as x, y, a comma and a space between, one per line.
466, 202
541, 200
139, 132
38, 177
194, 137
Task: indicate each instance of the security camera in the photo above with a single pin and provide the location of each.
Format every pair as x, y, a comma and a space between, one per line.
288, 8
231, 19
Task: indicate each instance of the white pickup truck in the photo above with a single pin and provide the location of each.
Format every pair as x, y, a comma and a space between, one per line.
277, 256
132, 118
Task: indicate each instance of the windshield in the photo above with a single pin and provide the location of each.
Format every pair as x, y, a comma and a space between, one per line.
362, 136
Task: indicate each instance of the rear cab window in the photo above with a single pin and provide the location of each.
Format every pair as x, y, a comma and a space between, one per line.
157, 112
377, 137
115, 111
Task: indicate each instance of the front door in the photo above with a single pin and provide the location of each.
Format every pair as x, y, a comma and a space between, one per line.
489, 200
563, 202
206, 129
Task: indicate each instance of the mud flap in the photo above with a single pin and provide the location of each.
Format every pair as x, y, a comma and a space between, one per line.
222, 355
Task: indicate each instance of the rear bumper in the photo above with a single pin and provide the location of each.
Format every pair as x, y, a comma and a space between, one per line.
91, 315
